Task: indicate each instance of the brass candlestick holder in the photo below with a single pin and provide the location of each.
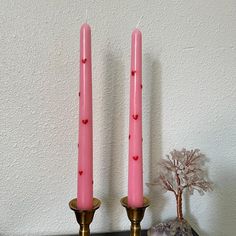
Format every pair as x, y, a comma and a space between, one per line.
84, 217
135, 215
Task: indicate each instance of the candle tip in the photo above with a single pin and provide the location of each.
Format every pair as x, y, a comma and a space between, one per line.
85, 26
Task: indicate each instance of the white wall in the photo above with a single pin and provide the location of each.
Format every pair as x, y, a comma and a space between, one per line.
189, 55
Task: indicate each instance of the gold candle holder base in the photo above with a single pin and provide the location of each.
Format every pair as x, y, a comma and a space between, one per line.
84, 217
135, 215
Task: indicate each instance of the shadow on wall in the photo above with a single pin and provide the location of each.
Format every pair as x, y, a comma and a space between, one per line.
220, 214
113, 118
153, 78
190, 217
225, 203
193, 221
224, 208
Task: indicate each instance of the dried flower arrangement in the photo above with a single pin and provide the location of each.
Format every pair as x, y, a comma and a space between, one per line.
182, 171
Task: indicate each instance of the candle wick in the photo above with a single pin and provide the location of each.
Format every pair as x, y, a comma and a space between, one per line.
141, 17
86, 15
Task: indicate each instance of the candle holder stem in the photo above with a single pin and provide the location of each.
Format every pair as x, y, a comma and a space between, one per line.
84, 217
135, 228
135, 215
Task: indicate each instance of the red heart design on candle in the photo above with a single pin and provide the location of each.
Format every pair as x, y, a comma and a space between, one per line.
135, 117
80, 172
129, 136
84, 60
79, 94
141, 86
78, 145
92, 181
133, 72
85, 121
135, 158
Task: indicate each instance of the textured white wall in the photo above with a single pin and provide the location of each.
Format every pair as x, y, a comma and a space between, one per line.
189, 68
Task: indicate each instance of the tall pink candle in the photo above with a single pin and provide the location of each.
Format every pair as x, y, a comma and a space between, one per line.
85, 158
135, 176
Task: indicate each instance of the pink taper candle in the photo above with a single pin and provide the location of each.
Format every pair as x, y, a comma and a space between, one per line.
135, 176
85, 158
